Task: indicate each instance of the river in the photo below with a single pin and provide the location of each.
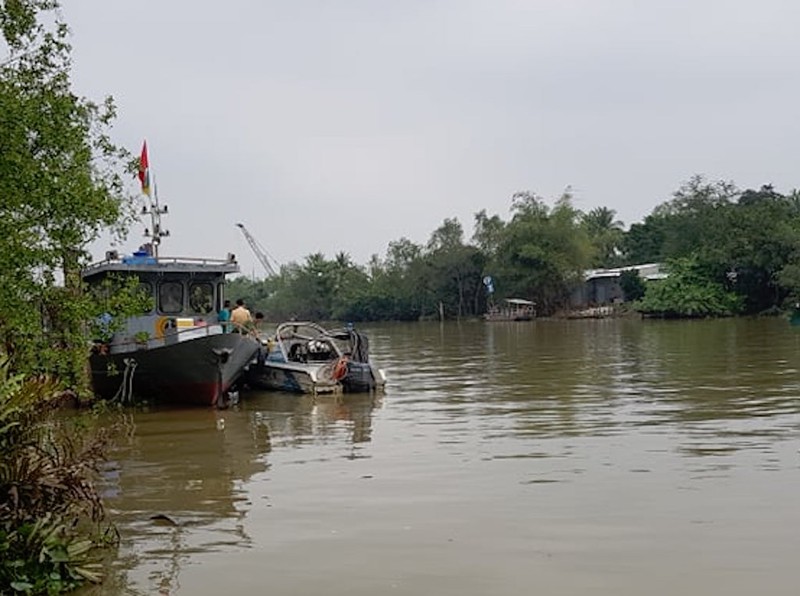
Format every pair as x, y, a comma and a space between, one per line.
603, 457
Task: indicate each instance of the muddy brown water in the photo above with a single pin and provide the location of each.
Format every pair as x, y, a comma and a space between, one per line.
547, 457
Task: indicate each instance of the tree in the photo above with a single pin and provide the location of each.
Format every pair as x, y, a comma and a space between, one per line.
488, 238
350, 287
454, 269
403, 290
400, 254
746, 242
691, 219
632, 285
605, 234
678, 228
749, 248
61, 184
644, 242
544, 252
688, 292
448, 236
759, 239
488, 233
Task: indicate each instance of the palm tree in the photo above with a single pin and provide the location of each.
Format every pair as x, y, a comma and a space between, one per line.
606, 235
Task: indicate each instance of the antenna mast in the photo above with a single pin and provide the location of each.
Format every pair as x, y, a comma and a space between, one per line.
152, 208
260, 253
156, 233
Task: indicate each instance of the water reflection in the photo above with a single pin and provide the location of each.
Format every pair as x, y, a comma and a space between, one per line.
568, 456
295, 420
177, 486
554, 378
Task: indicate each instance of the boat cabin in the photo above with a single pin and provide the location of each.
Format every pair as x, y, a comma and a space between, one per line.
185, 295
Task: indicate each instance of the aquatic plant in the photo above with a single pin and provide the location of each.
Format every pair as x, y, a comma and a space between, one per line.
50, 510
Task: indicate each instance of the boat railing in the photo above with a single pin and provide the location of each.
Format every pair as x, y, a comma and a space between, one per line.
175, 336
194, 260
159, 262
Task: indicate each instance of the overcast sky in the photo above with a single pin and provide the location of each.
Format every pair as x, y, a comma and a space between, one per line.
341, 125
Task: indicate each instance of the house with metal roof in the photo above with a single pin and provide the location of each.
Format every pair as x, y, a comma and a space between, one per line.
602, 286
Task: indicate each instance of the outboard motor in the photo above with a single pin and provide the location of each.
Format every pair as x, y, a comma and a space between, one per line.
360, 345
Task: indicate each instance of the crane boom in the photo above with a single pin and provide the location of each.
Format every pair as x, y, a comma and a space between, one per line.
259, 251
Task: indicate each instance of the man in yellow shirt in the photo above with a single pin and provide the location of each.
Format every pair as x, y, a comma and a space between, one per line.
241, 318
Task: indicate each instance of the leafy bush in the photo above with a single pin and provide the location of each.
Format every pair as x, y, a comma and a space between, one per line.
50, 511
688, 292
633, 286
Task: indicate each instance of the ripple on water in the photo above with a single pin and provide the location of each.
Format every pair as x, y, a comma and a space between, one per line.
622, 449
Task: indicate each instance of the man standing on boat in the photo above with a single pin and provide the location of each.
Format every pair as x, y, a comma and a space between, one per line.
241, 318
224, 316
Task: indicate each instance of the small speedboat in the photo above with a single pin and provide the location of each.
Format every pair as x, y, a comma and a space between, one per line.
304, 357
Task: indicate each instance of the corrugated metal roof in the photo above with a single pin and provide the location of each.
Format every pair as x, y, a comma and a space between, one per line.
648, 271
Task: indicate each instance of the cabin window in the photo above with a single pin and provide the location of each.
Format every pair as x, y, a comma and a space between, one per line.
170, 297
201, 298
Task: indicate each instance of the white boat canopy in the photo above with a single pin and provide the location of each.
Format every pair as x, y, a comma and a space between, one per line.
519, 302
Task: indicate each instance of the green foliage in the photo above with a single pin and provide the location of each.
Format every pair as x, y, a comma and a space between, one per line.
410, 283
402, 283
255, 293
46, 557
61, 186
681, 226
454, 271
758, 245
644, 242
743, 247
688, 292
544, 252
488, 233
606, 234
789, 279
60, 179
111, 301
747, 242
633, 286
49, 507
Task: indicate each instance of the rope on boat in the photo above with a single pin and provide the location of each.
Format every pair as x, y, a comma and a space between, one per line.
222, 355
360, 345
125, 392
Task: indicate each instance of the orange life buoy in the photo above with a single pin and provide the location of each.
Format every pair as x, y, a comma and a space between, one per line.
340, 370
161, 326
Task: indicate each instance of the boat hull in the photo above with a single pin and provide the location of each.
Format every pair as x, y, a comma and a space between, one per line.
362, 377
198, 371
299, 378
304, 357
501, 317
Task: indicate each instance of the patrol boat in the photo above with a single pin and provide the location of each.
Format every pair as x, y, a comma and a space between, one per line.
177, 352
